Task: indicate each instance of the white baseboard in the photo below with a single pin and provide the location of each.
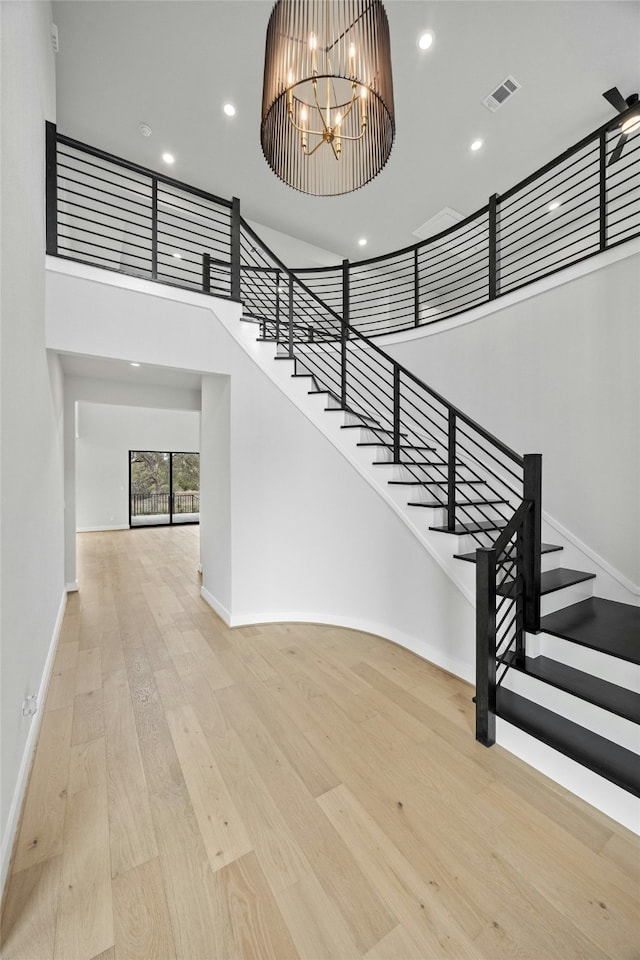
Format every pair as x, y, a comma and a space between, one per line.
115, 526
13, 820
219, 608
616, 575
460, 668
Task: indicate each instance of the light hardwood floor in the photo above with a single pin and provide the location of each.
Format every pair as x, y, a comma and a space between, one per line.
285, 791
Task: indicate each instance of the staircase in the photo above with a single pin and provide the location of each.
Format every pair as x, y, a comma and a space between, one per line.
571, 683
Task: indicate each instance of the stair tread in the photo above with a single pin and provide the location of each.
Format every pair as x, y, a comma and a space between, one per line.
389, 445
422, 463
471, 557
609, 696
551, 580
459, 503
431, 483
608, 759
605, 625
460, 531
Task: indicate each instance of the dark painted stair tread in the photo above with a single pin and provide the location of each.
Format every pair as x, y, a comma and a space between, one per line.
471, 557
605, 625
459, 503
460, 530
609, 696
551, 580
421, 463
604, 757
389, 445
431, 483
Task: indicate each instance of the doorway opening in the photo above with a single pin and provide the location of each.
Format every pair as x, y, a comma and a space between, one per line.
164, 488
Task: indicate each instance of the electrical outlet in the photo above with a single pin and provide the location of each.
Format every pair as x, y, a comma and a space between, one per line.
30, 706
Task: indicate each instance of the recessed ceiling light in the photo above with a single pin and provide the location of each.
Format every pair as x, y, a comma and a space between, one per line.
362, 242
554, 204
476, 145
177, 255
168, 157
229, 109
425, 40
134, 364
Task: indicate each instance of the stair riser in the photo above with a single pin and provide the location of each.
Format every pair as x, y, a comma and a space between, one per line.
565, 597
611, 799
617, 729
598, 664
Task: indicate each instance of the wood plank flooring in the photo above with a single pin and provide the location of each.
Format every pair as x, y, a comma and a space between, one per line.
285, 791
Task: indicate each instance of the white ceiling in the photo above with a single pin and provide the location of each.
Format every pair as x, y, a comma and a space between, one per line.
174, 64
121, 371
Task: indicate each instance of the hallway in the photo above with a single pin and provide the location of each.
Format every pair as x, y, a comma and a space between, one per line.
285, 791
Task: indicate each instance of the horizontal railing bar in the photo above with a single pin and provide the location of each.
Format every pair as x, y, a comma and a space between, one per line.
542, 273
87, 163
96, 199
509, 207
71, 214
86, 182
568, 205
561, 227
129, 165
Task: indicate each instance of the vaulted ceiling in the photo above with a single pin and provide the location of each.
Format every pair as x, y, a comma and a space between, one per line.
173, 65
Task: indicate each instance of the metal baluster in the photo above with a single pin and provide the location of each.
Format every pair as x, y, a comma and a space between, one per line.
154, 228
603, 189
235, 249
493, 247
291, 317
206, 273
396, 413
451, 472
344, 334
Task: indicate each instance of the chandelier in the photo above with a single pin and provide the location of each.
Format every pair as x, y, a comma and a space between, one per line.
327, 102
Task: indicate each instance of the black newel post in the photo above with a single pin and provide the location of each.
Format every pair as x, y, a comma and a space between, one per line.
486, 646
235, 249
494, 280
532, 540
51, 184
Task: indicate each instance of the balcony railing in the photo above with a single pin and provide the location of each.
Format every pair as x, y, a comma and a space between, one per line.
120, 216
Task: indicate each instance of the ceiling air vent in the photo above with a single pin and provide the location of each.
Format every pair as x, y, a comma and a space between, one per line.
502, 93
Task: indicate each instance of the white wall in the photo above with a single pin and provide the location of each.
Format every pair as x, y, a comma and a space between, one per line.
105, 435
293, 252
557, 374
31, 512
